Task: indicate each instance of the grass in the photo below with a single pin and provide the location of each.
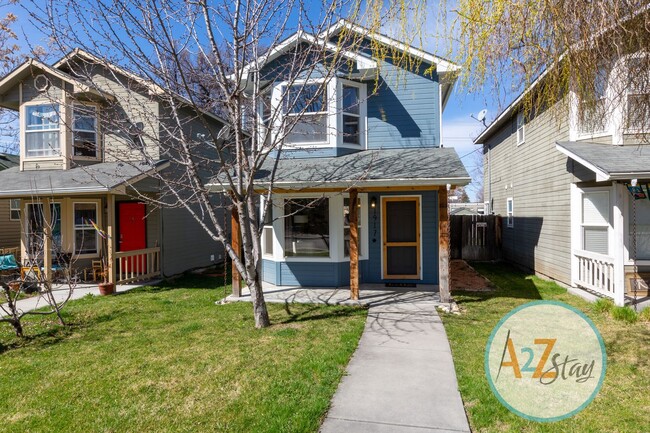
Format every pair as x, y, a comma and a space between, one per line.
623, 404
169, 360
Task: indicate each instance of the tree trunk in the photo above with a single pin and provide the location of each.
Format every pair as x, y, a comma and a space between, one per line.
18, 327
260, 312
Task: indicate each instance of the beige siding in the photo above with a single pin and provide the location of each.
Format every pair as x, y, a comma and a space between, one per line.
605, 139
9, 230
538, 178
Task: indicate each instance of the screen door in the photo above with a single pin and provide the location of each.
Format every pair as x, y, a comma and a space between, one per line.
401, 237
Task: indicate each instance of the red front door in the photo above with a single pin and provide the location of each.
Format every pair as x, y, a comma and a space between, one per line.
132, 232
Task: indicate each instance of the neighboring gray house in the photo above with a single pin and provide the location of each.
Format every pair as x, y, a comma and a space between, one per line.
9, 210
558, 177
79, 169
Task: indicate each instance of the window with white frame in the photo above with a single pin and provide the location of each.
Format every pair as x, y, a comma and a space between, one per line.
351, 115
521, 128
35, 228
14, 209
593, 110
595, 222
42, 130
639, 227
346, 226
306, 228
84, 131
486, 208
85, 235
637, 108
306, 108
268, 231
265, 115
510, 212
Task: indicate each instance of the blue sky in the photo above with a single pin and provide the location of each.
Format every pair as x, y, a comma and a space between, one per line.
459, 128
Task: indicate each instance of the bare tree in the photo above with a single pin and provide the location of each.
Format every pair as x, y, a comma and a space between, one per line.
571, 45
218, 56
53, 288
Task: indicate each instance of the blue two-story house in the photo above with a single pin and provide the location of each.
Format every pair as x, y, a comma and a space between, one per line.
371, 130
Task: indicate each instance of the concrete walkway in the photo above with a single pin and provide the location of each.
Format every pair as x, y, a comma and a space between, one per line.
401, 378
80, 291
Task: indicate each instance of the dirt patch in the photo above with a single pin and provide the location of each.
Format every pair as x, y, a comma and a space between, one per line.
464, 277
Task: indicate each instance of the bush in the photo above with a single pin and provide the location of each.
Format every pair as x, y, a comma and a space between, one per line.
625, 314
603, 305
644, 315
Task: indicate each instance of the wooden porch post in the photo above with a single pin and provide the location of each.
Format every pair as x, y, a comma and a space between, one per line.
110, 235
47, 241
443, 236
354, 245
234, 234
619, 243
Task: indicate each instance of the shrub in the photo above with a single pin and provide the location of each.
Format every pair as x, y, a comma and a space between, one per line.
625, 314
603, 305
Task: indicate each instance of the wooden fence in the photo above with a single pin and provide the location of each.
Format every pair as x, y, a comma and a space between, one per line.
475, 237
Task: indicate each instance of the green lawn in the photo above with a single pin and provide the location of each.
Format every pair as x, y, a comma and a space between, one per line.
623, 404
169, 360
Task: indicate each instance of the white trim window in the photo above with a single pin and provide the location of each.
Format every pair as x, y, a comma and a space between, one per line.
510, 212
351, 114
267, 232
42, 129
85, 141
307, 227
35, 224
85, 236
637, 100
593, 118
595, 222
346, 226
521, 128
14, 209
308, 104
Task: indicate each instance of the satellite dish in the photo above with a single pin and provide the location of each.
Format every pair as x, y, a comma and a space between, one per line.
481, 115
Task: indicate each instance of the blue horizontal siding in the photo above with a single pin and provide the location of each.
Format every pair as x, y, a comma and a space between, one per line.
323, 152
314, 274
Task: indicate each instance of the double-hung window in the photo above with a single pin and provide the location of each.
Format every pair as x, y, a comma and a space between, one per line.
637, 109
36, 226
595, 222
594, 110
14, 209
84, 131
85, 235
521, 128
268, 231
510, 212
42, 130
351, 115
306, 113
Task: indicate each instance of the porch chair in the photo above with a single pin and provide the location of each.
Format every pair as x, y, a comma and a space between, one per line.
98, 270
8, 264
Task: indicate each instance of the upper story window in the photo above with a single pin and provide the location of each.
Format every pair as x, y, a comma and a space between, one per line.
593, 111
351, 115
521, 128
307, 104
42, 130
637, 108
84, 131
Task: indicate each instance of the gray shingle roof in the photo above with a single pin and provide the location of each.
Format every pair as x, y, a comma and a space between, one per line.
608, 161
95, 178
8, 161
382, 167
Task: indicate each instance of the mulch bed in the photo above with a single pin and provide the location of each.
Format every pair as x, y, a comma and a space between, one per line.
464, 277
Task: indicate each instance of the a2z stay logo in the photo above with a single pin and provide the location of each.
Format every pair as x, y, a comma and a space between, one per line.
528, 367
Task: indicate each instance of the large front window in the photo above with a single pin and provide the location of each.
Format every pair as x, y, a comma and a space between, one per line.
595, 222
36, 226
306, 228
306, 110
84, 131
85, 235
42, 130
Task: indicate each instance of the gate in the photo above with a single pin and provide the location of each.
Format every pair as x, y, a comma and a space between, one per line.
475, 237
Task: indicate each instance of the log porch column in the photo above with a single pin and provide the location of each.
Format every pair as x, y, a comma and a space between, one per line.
236, 245
110, 238
443, 239
354, 245
47, 242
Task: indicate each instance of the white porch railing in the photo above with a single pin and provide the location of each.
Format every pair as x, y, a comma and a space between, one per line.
596, 272
137, 265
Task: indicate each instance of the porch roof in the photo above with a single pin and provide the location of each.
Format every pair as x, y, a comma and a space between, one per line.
370, 168
98, 178
610, 162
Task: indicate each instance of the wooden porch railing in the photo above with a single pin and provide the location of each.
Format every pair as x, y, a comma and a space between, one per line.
596, 272
137, 265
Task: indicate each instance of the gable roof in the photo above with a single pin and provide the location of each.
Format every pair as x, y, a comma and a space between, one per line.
425, 166
27, 69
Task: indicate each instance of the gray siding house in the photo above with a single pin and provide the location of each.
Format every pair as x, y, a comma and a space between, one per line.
558, 177
9, 211
89, 177
383, 156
